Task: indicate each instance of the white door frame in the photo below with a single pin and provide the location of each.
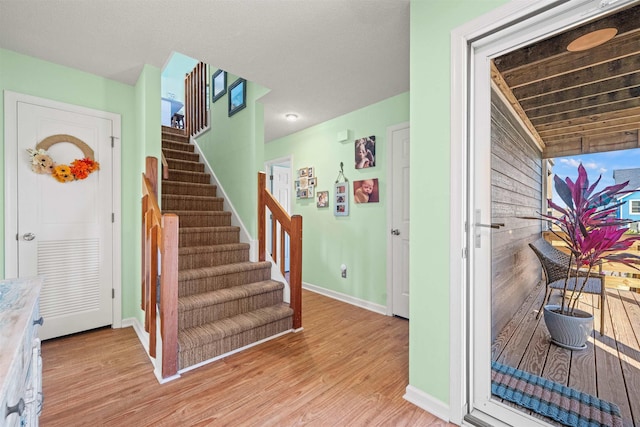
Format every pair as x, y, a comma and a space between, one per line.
390, 131
540, 16
11, 100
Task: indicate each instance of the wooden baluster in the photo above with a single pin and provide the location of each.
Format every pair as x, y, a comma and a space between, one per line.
153, 287
274, 240
262, 183
145, 204
282, 250
147, 272
151, 172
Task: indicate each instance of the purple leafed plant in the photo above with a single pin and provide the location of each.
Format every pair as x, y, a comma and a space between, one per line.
591, 230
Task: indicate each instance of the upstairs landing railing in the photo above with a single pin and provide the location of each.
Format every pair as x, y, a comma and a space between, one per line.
291, 225
159, 241
195, 90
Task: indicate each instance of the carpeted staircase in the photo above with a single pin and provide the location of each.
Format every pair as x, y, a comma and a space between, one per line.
225, 301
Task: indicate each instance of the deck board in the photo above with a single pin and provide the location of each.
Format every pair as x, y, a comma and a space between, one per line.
610, 366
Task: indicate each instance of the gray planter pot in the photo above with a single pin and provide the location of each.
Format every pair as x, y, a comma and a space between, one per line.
569, 332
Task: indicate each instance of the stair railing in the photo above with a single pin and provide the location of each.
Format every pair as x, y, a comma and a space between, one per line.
159, 239
291, 225
195, 92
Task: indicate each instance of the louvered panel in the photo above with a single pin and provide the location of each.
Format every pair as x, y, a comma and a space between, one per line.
64, 294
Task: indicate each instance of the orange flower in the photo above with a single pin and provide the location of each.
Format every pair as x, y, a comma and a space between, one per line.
62, 173
83, 167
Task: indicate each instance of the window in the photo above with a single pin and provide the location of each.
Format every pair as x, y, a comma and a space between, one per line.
634, 207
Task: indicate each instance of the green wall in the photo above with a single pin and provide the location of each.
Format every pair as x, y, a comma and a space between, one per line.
31, 76
431, 24
359, 240
234, 147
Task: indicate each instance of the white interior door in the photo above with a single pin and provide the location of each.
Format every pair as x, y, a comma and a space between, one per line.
400, 154
64, 230
281, 190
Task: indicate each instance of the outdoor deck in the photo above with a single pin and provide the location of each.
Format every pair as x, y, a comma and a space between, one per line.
610, 366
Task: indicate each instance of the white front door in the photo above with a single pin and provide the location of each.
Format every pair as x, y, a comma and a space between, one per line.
399, 197
281, 190
65, 230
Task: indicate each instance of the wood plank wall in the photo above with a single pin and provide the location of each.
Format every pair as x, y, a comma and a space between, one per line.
516, 190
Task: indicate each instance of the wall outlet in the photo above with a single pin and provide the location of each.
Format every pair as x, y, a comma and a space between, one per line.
343, 269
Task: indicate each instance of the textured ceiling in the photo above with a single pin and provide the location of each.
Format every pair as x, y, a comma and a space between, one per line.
319, 58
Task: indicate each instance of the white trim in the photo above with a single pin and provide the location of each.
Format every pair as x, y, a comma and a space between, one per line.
631, 212
629, 194
245, 237
367, 305
427, 402
390, 131
11, 100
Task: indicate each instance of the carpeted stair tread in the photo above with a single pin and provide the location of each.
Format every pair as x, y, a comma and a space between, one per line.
228, 294
185, 165
194, 203
218, 330
201, 218
199, 236
220, 270
192, 250
180, 155
175, 145
189, 176
188, 188
206, 279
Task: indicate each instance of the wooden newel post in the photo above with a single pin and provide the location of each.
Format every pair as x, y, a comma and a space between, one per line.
262, 217
296, 270
169, 295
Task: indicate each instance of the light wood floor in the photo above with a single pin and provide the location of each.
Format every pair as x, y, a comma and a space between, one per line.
610, 366
349, 367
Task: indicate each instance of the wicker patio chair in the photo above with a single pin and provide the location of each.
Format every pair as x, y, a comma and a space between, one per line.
555, 264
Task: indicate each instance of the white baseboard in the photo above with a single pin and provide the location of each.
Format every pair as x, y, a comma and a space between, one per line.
368, 305
428, 403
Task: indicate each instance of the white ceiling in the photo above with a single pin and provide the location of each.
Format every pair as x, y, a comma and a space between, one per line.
319, 58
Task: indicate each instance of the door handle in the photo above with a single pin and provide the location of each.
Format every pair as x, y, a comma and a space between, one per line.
28, 236
395, 232
495, 225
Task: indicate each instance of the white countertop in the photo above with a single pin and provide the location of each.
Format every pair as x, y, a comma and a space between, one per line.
17, 298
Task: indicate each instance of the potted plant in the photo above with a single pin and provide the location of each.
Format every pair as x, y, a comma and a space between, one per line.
593, 234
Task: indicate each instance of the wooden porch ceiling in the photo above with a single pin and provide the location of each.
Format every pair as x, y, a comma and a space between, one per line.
578, 102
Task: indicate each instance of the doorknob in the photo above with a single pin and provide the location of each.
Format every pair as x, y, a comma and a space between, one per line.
395, 232
28, 236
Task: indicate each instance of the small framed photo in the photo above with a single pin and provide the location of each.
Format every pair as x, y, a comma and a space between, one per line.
237, 96
310, 172
312, 181
219, 85
342, 199
303, 172
311, 192
323, 199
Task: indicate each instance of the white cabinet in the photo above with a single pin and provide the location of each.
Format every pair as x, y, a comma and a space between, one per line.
20, 359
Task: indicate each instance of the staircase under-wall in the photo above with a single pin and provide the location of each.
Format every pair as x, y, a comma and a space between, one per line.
225, 302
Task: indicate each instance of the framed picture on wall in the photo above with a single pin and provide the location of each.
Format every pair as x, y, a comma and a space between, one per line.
219, 85
342, 199
237, 96
323, 199
366, 191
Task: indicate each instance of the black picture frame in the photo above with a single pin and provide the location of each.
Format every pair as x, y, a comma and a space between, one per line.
237, 96
218, 85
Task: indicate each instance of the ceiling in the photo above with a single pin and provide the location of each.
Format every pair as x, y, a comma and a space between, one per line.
319, 58
578, 102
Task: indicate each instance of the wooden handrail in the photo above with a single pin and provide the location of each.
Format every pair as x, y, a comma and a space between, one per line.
160, 236
292, 225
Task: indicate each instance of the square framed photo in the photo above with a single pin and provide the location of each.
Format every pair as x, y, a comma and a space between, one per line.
237, 96
219, 85
322, 199
366, 191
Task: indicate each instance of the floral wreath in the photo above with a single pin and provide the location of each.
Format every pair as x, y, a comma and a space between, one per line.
79, 169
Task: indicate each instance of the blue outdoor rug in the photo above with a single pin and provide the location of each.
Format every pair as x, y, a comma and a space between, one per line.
562, 404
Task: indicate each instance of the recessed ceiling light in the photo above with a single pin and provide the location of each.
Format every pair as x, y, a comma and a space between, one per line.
291, 117
592, 39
